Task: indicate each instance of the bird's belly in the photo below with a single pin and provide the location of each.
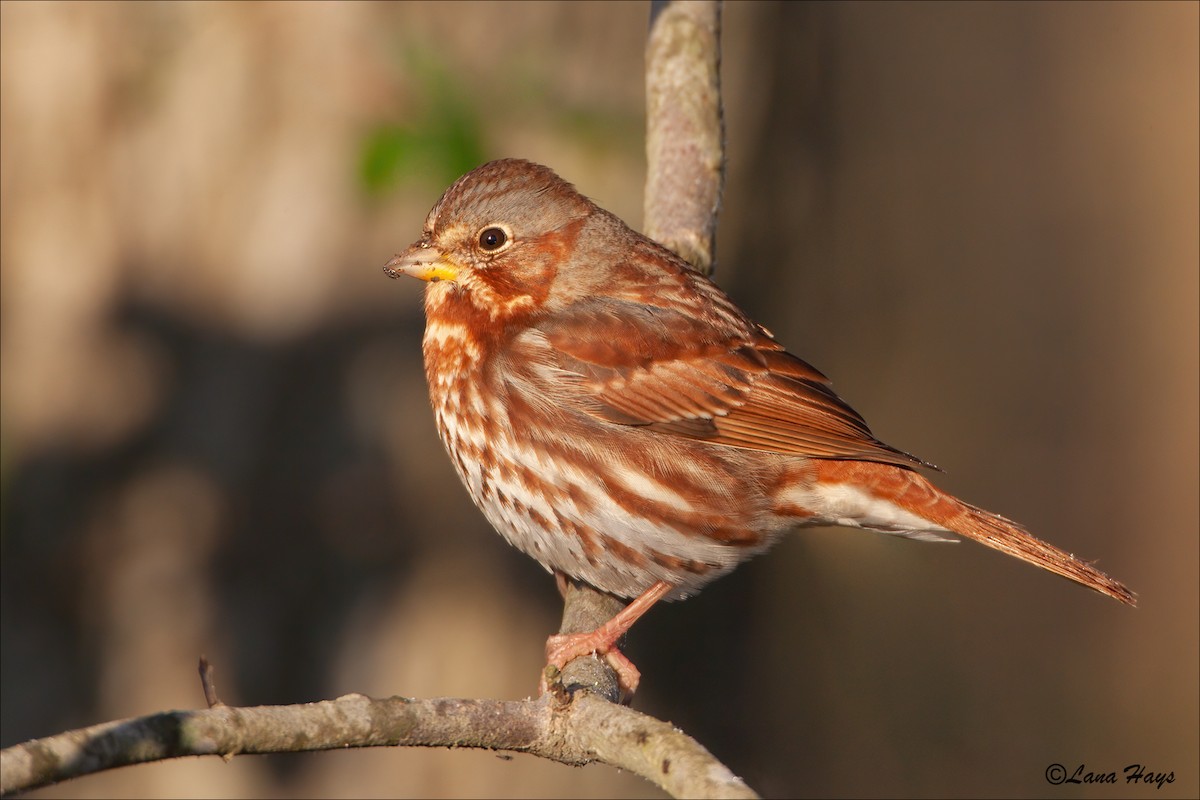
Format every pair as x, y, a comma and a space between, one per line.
618, 509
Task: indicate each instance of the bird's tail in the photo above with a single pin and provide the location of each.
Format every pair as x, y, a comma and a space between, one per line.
913, 495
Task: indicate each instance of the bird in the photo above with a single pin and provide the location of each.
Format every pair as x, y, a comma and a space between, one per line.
617, 417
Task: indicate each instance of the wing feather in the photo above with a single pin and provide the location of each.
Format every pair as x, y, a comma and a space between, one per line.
735, 386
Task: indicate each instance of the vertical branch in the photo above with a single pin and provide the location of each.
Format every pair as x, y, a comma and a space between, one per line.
685, 131
586, 608
685, 139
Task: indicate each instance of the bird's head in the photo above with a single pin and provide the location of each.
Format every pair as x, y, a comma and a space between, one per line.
496, 240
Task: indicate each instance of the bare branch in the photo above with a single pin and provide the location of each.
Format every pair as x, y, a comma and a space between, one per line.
685, 133
585, 609
583, 730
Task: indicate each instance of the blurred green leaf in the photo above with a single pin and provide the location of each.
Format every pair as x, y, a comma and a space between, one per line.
444, 141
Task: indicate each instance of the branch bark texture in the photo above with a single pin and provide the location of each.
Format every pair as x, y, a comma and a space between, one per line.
571, 730
685, 132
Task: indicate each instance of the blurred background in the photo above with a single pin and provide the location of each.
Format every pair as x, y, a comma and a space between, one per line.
979, 219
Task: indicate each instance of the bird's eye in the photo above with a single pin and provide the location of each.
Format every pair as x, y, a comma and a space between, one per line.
492, 239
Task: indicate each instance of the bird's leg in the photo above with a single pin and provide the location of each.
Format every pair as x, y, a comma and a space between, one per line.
563, 648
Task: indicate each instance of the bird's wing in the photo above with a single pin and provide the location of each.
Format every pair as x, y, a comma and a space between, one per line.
725, 381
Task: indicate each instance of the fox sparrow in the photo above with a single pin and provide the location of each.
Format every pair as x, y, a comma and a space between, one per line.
618, 418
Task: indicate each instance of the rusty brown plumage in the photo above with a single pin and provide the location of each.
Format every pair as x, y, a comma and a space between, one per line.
618, 418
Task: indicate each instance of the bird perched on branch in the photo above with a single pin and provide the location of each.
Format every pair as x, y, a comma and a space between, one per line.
618, 418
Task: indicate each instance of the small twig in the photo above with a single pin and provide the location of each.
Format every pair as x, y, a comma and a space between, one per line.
206, 682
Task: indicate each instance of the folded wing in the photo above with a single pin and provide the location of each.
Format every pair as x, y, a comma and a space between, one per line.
731, 384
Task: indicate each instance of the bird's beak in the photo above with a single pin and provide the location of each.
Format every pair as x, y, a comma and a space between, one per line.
424, 262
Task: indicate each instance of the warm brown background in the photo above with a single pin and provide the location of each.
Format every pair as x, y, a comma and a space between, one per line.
981, 220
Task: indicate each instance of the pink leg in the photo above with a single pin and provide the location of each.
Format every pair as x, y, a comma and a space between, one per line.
562, 649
